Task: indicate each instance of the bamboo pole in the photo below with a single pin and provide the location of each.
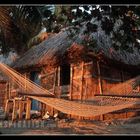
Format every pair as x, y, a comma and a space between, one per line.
99, 78
54, 84
71, 82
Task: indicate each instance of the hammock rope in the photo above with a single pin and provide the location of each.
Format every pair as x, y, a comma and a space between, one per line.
98, 106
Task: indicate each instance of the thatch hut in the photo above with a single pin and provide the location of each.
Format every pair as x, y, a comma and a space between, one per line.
70, 70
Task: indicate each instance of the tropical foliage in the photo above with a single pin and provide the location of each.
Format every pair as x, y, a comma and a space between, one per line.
19, 24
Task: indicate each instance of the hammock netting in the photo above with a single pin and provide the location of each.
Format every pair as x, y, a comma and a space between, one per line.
100, 105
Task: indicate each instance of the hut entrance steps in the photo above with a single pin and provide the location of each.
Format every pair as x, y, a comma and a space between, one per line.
19, 106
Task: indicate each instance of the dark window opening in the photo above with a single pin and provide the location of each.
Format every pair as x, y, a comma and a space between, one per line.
32, 75
35, 105
64, 75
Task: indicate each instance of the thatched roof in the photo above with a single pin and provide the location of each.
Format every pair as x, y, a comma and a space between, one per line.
48, 51
59, 47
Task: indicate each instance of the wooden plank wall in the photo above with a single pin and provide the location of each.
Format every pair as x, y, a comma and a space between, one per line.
87, 77
83, 77
3, 92
109, 78
50, 81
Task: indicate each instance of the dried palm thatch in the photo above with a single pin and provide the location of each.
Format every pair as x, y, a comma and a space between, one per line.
61, 47
49, 52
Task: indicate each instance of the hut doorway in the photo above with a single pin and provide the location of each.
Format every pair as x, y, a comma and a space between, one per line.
35, 78
64, 74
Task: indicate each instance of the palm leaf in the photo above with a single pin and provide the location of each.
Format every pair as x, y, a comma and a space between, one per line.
19, 24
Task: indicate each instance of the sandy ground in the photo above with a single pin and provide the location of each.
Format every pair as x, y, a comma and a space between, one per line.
73, 127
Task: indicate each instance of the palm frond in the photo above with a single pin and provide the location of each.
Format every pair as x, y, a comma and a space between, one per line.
18, 25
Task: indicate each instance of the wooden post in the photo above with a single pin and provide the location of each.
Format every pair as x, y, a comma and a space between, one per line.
14, 110
21, 106
7, 107
9, 90
25, 83
54, 81
100, 86
54, 87
71, 85
82, 78
71, 82
6, 91
58, 82
86, 89
81, 87
99, 78
58, 74
28, 109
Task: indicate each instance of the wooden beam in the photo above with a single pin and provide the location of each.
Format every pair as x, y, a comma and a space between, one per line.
35, 94
46, 75
99, 78
121, 96
54, 83
58, 74
71, 81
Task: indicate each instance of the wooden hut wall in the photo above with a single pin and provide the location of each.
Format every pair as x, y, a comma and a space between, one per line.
128, 76
84, 81
110, 77
48, 75
49, 81
3, 93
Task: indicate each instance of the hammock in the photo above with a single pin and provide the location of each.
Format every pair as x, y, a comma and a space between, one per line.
99, 106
